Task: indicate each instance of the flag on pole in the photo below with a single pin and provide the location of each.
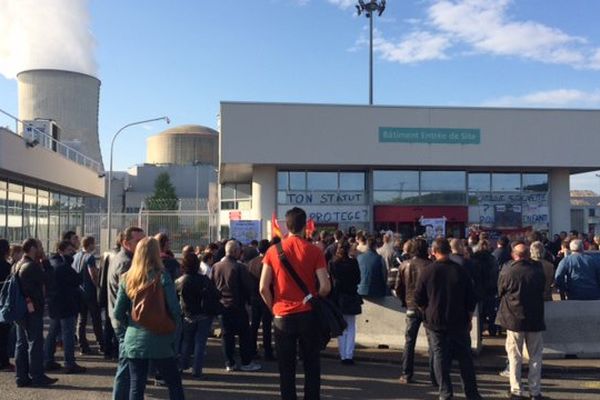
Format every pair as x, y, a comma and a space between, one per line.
310, 228
275, 229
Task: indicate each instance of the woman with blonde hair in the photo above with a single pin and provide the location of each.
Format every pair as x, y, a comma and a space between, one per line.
150, 332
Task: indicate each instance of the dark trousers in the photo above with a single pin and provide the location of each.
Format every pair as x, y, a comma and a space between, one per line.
413, 322
4, 336
29, 350
260, 313
234, 321
91, 307
110, 342
446, 346
290, 331
167, 367
489, 308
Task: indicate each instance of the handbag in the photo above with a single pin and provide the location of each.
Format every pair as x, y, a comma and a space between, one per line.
330, 321
149, 309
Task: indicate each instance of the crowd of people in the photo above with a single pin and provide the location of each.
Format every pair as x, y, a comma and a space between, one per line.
153, 313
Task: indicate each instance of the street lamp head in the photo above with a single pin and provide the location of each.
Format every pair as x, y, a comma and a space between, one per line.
167, 120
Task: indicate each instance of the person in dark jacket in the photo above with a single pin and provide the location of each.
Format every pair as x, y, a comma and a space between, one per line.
63, 305
346, 277
170, 263
232, 281
373, 274
4, 328
191, 287
502, 252
29, 351
111, 345
405, 290
521, 291
488, 268
445, 292
462, 257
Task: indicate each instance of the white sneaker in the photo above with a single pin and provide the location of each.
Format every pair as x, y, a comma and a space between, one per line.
505, 373
251, 367
230, 368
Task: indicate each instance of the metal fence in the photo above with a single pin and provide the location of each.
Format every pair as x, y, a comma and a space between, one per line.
183, 227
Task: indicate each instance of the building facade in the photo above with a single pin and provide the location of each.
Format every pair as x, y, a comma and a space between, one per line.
381, 167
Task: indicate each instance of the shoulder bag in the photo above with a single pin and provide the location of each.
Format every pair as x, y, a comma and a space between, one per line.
149, 309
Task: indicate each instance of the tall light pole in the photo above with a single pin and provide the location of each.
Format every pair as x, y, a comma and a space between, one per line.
196, 164
368, 8
110, 171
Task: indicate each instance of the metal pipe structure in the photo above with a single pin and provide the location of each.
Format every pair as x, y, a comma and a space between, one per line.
368, 9
110, 171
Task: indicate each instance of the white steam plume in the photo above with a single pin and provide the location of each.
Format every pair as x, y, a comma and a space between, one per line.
45, 34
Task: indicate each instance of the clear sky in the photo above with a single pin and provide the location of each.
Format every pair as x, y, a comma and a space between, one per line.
180, 58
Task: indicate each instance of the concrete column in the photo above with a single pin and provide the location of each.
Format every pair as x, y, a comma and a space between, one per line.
264, 184
560, 201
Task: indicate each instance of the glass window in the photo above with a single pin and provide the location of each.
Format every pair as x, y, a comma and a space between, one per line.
443, 180
394, 197
282, 197
243, 191
322, 181
228, 205
42, 231
282, 180
297, 181
15, 213
506, 182
434, 198
396, 180
479, 182
228, 192
244, 205
3, 208
30, 212
535, 182
352, 181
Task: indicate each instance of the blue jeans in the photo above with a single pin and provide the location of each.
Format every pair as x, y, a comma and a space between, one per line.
446, 346
29, 350
122, 379
167, 367
413, 322
66, 326
195, 335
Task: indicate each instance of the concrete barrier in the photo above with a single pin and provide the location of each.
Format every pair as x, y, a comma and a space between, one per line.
572, 329
382, 323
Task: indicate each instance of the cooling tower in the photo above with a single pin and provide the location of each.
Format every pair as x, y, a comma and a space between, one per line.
68, 98
184, 145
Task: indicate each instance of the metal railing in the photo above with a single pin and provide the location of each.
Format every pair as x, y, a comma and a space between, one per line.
56, 146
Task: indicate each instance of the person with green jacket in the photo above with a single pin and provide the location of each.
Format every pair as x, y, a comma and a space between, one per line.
141, 346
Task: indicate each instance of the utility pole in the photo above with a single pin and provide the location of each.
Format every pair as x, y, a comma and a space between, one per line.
368, 9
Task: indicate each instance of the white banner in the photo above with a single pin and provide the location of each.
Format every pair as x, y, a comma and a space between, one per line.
434, 227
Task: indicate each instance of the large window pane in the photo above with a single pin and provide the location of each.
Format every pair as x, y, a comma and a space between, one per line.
506, 182
435, 198
54, 220
243, 191
479, 182
396, 180
43, 206
15, 213
282, 180
29, 212
535, 182
396, 197
322, 181
443, 180
352, 181
297, 181
228, 192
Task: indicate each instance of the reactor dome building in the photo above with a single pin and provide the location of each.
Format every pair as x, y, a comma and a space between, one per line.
184, 145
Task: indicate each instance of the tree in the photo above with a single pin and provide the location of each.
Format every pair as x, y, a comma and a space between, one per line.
164, 197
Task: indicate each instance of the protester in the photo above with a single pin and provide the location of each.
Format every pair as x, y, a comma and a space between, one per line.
170, 263
488, 268
373, 275
119, 264
405, 290
4, 327
111, 345
538, 251
521, 292
260, 312
16, 253
141, 345
445, 291
294, 322
84, 263
578, 274
345, 274
502, 251
29, 352
206, 263
193, 290
332, 248
233, 282
63, 305
386, 251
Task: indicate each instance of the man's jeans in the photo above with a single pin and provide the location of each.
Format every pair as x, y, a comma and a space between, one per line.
29, 350
289, 331
413, 322
447, 346
122, 380
111, 345
535, 347
234, 321
195, 335
93, 309
260, 313
167, 367
66, 328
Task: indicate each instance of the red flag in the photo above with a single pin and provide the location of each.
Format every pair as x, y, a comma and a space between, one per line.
275, 229
310, 228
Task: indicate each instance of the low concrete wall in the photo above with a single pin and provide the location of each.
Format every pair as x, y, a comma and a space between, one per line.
382, 323
572, 329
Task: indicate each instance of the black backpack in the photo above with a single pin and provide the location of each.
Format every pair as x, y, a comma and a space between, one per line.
211, 298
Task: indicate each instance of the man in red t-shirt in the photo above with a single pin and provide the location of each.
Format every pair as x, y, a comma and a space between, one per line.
294, 322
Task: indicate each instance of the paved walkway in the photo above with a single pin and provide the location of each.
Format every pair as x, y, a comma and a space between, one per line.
365, 380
